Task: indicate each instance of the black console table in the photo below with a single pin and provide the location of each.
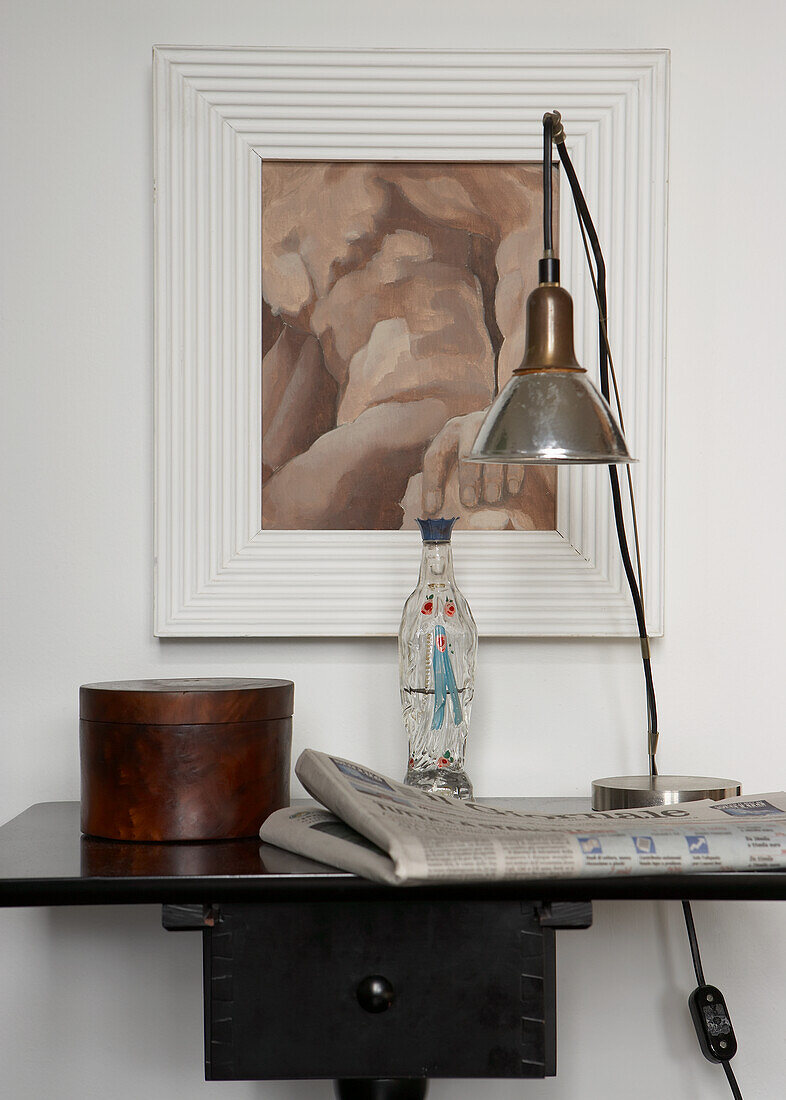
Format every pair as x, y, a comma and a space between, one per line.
310, 972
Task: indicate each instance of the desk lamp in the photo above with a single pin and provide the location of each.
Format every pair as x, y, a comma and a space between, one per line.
550, 412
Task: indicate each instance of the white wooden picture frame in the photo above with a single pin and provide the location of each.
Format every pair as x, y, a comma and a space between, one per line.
218, 112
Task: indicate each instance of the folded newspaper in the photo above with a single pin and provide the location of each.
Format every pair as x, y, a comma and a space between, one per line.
383, 830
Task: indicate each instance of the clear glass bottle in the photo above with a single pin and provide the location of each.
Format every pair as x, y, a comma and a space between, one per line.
437, 648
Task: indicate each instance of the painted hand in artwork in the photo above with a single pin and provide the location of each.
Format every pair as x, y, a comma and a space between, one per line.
484, 496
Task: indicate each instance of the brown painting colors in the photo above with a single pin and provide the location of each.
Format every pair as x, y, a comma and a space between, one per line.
393, 307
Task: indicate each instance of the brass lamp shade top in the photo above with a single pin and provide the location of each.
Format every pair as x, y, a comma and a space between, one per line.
549, 412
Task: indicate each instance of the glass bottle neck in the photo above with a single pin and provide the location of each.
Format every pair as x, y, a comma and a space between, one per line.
436, 564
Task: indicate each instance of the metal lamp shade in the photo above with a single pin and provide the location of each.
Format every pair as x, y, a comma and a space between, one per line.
550, 416
549, 411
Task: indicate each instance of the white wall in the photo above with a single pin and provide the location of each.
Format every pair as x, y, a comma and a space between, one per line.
101, 1002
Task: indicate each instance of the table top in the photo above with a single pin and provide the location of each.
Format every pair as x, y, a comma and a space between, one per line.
44, 860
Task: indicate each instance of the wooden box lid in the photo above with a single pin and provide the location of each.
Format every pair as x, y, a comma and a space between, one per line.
201, 700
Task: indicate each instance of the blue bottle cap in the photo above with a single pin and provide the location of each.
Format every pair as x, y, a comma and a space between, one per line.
436, 530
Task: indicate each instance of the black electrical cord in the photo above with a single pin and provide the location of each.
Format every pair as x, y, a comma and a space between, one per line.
599, 283
693, 940
735, 1088
652, 715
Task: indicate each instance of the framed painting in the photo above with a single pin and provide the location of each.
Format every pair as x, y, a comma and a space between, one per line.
344, 244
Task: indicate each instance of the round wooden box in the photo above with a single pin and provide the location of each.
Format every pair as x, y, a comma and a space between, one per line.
201, 759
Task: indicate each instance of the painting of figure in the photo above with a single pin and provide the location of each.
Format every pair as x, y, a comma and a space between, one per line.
392, 314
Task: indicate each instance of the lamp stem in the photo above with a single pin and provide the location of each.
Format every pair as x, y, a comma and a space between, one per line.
599, 285
548, 268
548, 231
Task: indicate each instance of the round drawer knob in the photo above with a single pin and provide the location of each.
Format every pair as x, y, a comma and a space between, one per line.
375, 993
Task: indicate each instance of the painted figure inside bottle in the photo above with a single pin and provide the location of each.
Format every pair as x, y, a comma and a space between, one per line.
438, 646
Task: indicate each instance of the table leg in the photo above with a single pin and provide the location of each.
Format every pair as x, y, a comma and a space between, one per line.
381, 1088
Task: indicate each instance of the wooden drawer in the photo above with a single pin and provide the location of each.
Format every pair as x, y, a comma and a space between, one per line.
394, 988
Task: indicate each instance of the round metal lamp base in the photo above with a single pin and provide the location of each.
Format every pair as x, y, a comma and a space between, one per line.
631, 792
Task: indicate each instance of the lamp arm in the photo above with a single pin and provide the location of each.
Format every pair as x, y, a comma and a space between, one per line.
548, 267
599, 283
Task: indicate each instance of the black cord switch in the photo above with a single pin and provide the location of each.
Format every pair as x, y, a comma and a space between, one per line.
712, 1023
